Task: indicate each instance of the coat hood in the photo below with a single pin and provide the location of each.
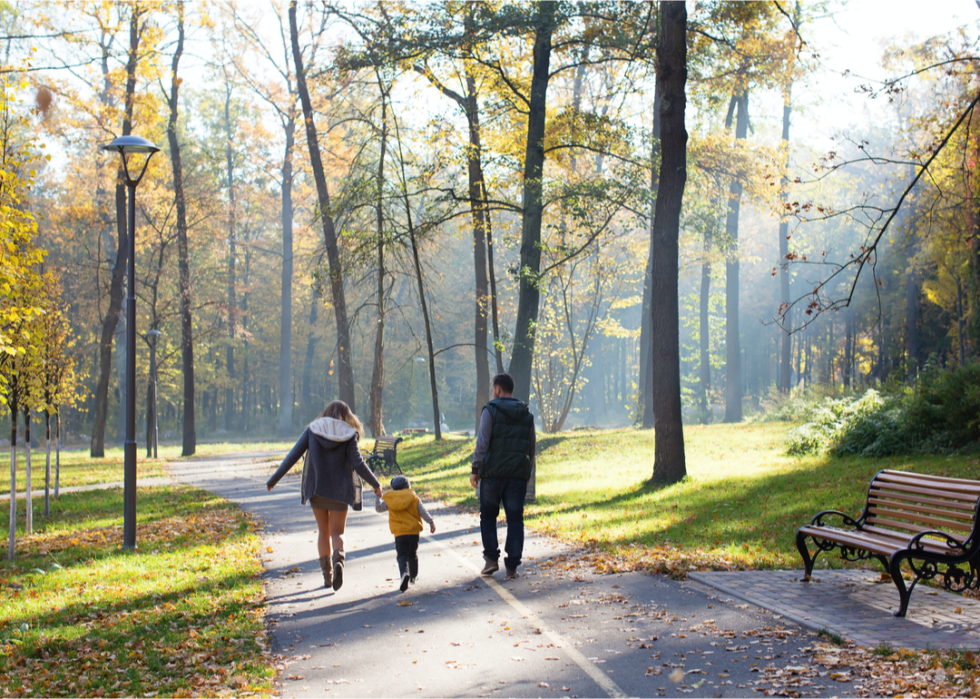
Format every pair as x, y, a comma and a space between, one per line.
513, 408
332, 432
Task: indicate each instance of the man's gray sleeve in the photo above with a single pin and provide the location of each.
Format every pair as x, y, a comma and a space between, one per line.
482, 441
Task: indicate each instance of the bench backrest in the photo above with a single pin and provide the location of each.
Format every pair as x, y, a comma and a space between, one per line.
916, 502
383, 444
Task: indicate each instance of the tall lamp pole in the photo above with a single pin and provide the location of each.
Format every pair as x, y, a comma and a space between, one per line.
152, 423
126, 145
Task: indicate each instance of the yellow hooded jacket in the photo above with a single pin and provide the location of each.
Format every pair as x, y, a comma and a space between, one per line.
403, 512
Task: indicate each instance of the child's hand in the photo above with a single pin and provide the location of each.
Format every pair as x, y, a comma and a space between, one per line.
432, 528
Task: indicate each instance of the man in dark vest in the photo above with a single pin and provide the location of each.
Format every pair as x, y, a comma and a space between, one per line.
502, 464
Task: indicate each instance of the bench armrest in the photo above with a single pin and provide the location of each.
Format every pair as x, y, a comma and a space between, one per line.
953, 544
817, 520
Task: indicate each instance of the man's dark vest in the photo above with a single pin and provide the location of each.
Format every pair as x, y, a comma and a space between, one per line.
507, 455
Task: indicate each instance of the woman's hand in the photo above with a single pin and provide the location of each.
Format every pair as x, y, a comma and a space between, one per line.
378, 492
269, 488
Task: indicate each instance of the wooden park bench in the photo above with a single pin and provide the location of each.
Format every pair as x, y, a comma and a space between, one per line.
383, 459
926, 520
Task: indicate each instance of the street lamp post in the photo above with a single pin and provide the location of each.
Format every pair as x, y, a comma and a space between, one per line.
152, 423
418, 363
126, 145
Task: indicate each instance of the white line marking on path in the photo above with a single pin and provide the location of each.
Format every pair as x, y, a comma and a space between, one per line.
600, 678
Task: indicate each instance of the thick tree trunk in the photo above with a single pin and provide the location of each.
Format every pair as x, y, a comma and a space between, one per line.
425, 316
669, 462
646, 348
286, 312
533, 204
497, 352
733, 349
376, 421
704, 338
189, 431
345, 369
114, 312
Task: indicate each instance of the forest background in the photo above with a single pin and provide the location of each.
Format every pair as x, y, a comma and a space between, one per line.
423, 117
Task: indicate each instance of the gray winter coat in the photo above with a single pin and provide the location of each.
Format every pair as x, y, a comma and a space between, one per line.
330, 464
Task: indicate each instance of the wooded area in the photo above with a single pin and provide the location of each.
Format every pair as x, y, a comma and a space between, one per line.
388, 202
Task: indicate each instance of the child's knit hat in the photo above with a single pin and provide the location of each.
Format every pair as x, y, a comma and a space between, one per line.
400, 483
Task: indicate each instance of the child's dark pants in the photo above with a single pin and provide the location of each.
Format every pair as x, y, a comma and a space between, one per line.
407, 548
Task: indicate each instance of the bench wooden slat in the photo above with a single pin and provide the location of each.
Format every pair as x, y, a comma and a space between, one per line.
955, 489
919, 499
905, 506
916, 519
934, 545
929, 492
929, 477
848, 538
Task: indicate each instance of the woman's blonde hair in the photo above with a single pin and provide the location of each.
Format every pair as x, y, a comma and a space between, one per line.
339, 410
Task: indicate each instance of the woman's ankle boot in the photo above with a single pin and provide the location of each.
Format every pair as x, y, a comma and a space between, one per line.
338, 569
327, 571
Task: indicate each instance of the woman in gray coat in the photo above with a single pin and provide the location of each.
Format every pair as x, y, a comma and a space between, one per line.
330, 483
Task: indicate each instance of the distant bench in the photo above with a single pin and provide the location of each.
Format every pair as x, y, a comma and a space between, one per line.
384, 459
925, 520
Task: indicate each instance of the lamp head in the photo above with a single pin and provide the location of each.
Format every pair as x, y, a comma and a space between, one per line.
131, 144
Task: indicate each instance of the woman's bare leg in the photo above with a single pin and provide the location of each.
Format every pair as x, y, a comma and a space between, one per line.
323, 525
338, 523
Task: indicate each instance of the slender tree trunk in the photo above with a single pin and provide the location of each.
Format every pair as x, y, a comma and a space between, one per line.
119, 270
480, 242
189, 427
29, 519
378, 373
47, 463
733, 362
646, 347
911, 322
960, 321
530, 261
425, 316
286, 313
345, 369
12, 525
786, 352
231, 281
308, 362
704, 346
57, 453
669, 462
848, 345
497, 352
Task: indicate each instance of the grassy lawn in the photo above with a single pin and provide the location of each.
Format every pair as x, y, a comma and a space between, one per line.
739, 507
182, 615
77, 468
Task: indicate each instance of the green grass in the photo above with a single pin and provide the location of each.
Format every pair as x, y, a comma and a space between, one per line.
182, 615
739, 506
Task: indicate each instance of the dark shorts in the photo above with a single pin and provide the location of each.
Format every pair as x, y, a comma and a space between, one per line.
318, 502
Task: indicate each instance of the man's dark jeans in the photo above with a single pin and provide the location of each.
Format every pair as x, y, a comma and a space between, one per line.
407, 550
510, 492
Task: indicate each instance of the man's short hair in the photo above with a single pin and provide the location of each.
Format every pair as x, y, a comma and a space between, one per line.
505, 382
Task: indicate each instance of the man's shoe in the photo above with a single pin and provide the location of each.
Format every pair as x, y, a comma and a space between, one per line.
491, 566
511, 574
411, 580
404, 585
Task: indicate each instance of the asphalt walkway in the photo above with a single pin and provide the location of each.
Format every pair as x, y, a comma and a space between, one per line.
558, 630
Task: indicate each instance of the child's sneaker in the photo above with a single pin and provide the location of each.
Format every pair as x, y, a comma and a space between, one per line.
404, 585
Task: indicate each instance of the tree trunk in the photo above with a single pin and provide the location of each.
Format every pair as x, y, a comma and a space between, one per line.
911, 322
480, 240
345, 369
786, 352
376, 421
114, 312
189, 431
286, 313
425, 316
12, 524
47, 463
960, 321
848, 345
308, 363
533, 204
704, 346
231, 281
29, 503
57, 452
669, 463
646, 348
733, 350
497, 352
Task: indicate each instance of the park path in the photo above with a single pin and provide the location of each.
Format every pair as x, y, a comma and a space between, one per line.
558, 630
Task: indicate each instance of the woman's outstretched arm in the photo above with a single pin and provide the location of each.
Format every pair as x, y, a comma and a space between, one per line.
294, 455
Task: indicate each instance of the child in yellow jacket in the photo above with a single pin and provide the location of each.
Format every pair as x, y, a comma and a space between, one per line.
405, 515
